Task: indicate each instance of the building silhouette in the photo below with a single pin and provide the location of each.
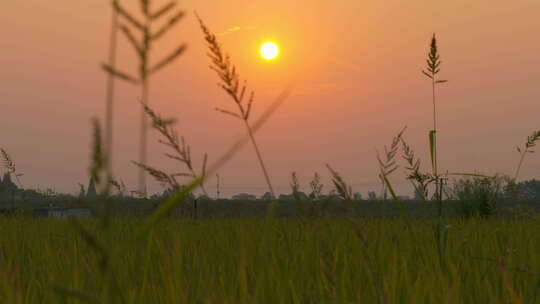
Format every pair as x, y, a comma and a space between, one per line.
244, 197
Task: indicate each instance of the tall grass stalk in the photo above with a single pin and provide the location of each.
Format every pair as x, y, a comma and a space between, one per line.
295, 187
180, 195
388, 165
433, 68
419, 180
181, 153
529, 144
230, 83
316, 187
99, 159
143, 47
110, 86
110, 257
345, 192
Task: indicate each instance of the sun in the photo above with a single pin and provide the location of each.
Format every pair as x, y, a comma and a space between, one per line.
269, 50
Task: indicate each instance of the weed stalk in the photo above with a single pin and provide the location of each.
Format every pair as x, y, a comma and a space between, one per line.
109, 110
143, 47
230, 83
433, 68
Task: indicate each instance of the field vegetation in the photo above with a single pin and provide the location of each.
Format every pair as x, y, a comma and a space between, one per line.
270, 260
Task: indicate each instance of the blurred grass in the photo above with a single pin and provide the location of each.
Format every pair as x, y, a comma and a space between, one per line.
272, 260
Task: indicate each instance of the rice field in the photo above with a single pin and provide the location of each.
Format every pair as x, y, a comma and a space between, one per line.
270, 260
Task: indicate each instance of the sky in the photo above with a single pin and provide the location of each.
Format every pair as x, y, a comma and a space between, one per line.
355, 67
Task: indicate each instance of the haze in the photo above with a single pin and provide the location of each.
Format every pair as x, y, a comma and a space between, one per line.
356, 70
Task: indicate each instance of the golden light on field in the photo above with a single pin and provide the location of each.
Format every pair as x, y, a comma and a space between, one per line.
269, 50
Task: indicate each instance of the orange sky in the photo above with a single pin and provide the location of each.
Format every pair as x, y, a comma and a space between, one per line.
356, 66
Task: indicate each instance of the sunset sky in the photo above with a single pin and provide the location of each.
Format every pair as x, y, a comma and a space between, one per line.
356, 69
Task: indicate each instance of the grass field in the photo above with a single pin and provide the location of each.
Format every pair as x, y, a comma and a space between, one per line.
271, 260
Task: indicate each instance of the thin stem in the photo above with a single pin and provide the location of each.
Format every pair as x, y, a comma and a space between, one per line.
110, 97
203, 188
145, 92
261, 162
437, 194
520, 163
434, 114
434, 125
383, 190
143, 139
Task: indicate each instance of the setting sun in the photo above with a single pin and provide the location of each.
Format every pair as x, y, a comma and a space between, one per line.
269, 50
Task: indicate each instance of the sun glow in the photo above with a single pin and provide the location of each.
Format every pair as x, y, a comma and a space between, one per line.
269, 50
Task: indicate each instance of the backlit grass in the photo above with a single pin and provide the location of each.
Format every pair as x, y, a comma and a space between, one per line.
273, 261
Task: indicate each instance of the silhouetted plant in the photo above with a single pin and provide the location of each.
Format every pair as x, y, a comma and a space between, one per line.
316, 187
182, 153
110, 87
433, 68
389, 165
295, 187
99, 158
343, 190
419, 180
82, 191
529, 144
143, 49
230, 83
119, 186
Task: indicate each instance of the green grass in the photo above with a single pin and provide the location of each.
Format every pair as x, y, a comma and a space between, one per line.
272, 261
